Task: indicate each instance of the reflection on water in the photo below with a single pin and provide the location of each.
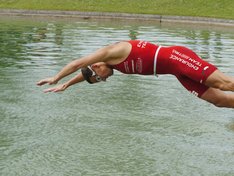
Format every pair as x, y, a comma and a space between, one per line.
131, 125
231, 126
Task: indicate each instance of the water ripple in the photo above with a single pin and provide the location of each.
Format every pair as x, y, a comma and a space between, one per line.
130, 126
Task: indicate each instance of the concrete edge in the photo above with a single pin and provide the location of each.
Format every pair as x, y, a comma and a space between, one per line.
108, 15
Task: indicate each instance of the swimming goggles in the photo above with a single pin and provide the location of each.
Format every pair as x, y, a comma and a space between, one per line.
87, 73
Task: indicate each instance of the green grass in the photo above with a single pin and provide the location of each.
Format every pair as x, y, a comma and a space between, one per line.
203, 8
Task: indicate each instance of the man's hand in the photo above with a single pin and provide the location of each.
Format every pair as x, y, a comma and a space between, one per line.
49, 81
57, 88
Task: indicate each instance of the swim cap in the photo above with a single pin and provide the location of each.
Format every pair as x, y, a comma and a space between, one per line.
87, 73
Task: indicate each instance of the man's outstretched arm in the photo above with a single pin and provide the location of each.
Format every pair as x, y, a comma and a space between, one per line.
111, 54
61, 87
101, 55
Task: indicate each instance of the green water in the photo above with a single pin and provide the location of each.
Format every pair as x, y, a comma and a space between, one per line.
130, 125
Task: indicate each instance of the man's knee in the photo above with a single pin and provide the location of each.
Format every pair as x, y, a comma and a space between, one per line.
226, 85
222, 102
219, 104
216, 97
220, 81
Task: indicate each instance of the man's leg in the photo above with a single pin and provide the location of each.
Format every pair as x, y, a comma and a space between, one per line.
219, 98
212, 95
220, 81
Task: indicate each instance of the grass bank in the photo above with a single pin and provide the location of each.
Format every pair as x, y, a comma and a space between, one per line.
201, 8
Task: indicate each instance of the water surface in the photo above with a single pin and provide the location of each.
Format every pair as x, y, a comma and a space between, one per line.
130, 125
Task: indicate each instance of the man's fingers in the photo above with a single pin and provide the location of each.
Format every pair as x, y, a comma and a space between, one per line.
49, 90
45, 81
52, 90
40, 83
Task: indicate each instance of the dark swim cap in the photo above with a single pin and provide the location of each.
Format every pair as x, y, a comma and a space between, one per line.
87, 73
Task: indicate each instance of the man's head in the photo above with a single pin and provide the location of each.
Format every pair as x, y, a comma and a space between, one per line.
99, 72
